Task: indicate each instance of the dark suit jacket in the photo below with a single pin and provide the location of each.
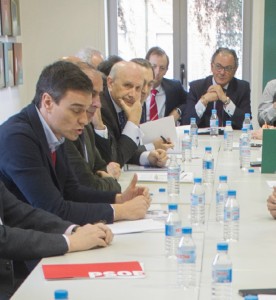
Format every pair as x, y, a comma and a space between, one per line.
26, 169
238, 91
26, 233
86, 171
118, 147
176, 96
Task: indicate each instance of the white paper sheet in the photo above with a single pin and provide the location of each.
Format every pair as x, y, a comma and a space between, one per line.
124, 227
162, 176
154, 129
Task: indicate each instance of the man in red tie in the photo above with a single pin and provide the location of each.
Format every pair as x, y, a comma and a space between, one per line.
167, 98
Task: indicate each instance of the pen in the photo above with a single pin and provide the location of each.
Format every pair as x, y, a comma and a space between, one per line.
164, 140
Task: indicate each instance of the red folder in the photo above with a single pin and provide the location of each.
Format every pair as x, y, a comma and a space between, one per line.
129, 269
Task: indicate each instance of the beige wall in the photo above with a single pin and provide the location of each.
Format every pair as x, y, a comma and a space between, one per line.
51, 29
54, 28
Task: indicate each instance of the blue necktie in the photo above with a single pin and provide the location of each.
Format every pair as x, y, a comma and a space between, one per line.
122, 119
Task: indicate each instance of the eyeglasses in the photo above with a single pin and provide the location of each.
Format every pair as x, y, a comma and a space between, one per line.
228, 69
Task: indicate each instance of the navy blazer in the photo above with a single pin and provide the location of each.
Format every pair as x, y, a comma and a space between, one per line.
238, 91
176, 96
26, 169
119, 147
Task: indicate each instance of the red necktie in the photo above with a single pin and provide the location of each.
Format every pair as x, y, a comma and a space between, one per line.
54, 158
153, 106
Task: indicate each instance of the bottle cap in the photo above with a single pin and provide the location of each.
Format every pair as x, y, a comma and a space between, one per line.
162, 190
232, 193
244, 130
186, 230
222, 178
61, 294
251, 297
197, 180
247, 115
186, 131
208, 148
172, 206
228, 123
251, 170
193, 120
214, 111
222, 246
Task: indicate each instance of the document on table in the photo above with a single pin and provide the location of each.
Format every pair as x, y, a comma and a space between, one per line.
118, 270
152, 130
162, 176
124, 227
271, 184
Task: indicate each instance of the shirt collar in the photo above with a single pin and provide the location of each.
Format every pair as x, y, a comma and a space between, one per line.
224, 87
52, 140
116, 106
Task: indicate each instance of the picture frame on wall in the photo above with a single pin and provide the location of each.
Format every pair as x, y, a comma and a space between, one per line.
15, 17
6, 17
8, 64
2, 72
18, 68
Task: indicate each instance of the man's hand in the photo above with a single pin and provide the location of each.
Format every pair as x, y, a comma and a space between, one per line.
90, 236
97, 121
158, 158
133, 209
114, 169
133, 112
160, 144
271, 203
103, 174
133, 191
219, 91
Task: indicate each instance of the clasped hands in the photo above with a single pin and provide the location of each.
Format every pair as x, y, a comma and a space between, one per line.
214, 93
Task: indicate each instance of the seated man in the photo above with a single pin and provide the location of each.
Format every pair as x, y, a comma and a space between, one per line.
27, 233
121, 113
169, 96
267, 107
222, 91
84, 158
33, 162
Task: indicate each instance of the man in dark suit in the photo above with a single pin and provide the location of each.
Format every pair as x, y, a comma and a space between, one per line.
170, 97
121, 113
27, 233
33, 162
222, 91
84, 157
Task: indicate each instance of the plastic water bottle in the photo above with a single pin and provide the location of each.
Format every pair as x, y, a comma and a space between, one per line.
228, 136
245, 151
247, 122
186, 147
61, 295
186, 259
208, 166
173, 177
221, 197
231, 218
222, 274
172, 231
198, 203
194, 134
214, 123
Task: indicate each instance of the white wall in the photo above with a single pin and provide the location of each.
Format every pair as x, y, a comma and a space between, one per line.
51, 29
55, 28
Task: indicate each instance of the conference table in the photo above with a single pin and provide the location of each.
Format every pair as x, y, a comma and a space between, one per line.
253, 256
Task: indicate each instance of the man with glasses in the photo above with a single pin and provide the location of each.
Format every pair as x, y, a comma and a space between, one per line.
221, 91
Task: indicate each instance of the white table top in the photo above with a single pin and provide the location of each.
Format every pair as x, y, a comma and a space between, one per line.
254, 265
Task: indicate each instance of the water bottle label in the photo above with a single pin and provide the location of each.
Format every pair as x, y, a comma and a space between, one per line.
214, 123
186, 145
197, 199
221, 197
232, 215
174, 174
222, 276
208, 165
186, 256
172, 230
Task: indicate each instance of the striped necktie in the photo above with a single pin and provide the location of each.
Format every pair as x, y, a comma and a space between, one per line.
153, 106
122, 119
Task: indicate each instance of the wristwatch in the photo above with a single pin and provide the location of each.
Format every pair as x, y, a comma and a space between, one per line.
179, 111
227, 101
